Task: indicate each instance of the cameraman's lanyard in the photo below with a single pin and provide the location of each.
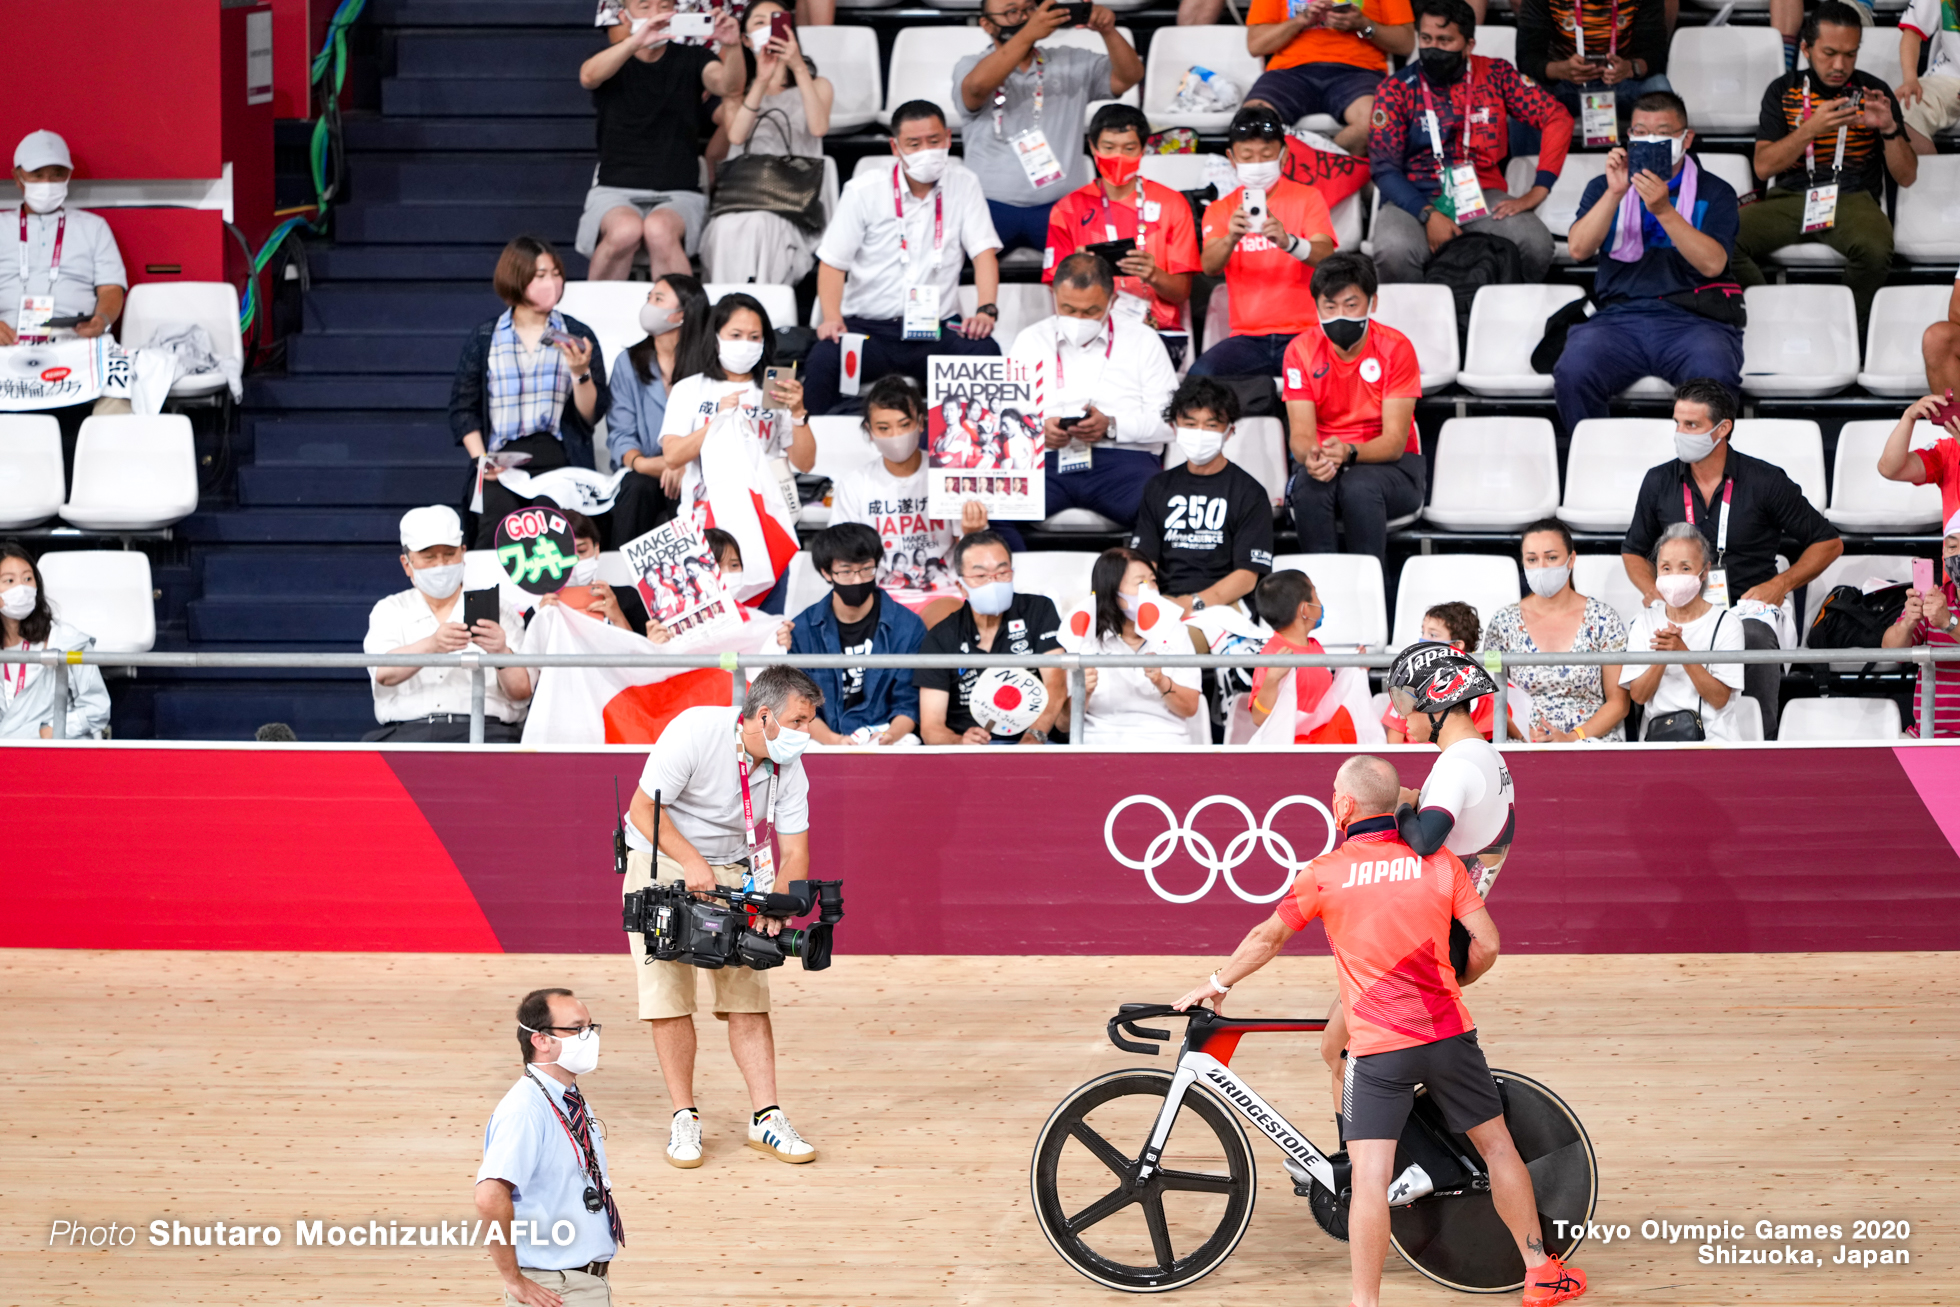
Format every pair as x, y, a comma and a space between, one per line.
590, 1158
1462, 190
1820, 202
1077, 456
1718, 576
1598, 110
1031, 148
35, 310
762, 858
921, 302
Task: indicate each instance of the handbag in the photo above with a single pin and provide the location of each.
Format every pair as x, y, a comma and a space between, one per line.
788, 185
1683, 725
1718, 301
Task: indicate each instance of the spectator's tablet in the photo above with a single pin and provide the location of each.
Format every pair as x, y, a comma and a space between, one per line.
1112, 252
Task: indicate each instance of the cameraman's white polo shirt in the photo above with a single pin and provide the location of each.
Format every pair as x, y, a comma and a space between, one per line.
693, 768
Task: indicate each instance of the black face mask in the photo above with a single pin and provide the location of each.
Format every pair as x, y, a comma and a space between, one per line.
1952, 565
1346, 333
1441, 66
1005, 32
853, 593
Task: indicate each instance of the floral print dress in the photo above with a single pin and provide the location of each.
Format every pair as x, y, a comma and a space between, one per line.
1564, 697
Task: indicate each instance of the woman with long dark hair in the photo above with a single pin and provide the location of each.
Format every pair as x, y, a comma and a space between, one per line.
28, 623
677, 344
1127, 706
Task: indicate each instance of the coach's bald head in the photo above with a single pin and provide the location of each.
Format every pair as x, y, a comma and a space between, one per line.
1370, 786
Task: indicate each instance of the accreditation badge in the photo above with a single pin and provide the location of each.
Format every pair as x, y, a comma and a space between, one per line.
1467, 194
921, 313
1599, 118
1820, 208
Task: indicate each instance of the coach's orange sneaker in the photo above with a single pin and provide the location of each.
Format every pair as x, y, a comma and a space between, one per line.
1552, 1281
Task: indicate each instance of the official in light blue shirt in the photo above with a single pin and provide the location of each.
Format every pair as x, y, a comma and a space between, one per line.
536, 1169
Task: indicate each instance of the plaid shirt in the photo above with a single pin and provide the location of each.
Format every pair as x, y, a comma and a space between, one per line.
1489, 93
526, 396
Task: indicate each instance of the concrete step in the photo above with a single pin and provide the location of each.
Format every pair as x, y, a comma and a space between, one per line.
490, 97
276, 619
443, 307
292, 526
333, 440
286, 573
347, 392
470, 263
481, 224
474, 134
322, 485
372, 352
316, 710
430, 178
449, 53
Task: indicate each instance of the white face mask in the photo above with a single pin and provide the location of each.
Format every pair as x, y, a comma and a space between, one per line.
1547, 581
1079, 331
1199, 445
585, 571
991, 599
638, 23
1678, 145
45, 197
738, 356
1693, 446
658, 321
438, 582
1261, 175
788, 745
18, 602
926, 166
1133, 604
1679, 589
897, 449
575, 1055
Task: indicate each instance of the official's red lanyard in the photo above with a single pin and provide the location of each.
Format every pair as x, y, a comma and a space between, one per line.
1109, 343
1436, 132
1810, 149
1722, 530
60, 234
1579, 30
1000, 93
15, 683
748, 804
1109, 226
587, 1156
938, 222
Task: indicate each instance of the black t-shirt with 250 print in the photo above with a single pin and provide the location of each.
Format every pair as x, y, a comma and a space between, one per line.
1030, 625
1200, 529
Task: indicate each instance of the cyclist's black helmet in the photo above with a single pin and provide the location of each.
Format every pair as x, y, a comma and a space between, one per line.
1432, 677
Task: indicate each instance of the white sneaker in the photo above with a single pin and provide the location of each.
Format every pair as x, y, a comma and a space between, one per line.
684, 1146
774, 1135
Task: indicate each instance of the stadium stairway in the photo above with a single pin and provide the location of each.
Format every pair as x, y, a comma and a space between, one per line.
483, 134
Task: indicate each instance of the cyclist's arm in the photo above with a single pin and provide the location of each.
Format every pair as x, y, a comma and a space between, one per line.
1483, 943
1426, 830
1260, 946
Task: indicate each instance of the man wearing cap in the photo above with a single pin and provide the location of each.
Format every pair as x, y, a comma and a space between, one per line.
57, 262
431, 705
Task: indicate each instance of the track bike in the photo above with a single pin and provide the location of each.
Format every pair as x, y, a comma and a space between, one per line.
1169, 1205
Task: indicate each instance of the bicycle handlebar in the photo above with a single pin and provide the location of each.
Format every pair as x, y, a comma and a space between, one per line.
1130, 1013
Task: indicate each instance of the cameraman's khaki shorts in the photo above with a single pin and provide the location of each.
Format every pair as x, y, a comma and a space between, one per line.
667, 989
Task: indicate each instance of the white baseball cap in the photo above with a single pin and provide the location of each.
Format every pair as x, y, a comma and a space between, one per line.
1953, 525
39, 149
425, 528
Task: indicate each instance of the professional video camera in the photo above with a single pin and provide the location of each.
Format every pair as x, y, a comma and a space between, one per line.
678, 927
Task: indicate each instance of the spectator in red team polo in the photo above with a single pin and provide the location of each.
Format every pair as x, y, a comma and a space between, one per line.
1939, 465
1929, 618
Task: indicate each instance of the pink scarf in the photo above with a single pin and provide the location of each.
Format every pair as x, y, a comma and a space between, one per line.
1629, 244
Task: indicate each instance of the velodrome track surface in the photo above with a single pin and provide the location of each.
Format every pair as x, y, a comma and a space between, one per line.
261, 1087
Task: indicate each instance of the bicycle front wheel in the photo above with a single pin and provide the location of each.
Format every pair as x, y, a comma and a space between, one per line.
1174, 1227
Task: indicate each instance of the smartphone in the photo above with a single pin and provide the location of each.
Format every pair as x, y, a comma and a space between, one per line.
1255, 205
1922, 575
1078, 14
780, 25
770, 376
480, 606
1112, 252
1068, 423
1656, 157
1946, 412
70, 320
692, 25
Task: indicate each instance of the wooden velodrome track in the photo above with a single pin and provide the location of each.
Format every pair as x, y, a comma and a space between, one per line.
260, 1088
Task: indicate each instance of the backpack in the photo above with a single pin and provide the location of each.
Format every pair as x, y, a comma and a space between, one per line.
1469, 263
1545, 357
1851, 619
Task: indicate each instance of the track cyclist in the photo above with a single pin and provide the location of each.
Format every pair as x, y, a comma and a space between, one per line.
1388, 911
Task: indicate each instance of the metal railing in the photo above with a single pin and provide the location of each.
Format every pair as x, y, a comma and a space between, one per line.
1926, 657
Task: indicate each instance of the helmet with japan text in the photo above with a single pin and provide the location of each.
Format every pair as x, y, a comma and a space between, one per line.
1432, 677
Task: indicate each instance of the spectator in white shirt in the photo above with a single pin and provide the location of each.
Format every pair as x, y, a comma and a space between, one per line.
894, 249
1931, 102
1107, 385
1125, 706
424, 705
1683, 620
70, 267
27, 623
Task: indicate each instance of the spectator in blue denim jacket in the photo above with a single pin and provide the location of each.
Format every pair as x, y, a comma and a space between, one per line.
857, 617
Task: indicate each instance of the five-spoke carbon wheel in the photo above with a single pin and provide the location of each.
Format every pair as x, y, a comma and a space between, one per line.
1174, 1227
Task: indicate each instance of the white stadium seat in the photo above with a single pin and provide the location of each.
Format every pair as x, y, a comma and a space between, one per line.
847, 54
922, 62
133, 473
1839, 719
1900, 315
1180, 172
842, 447
1748, 720
1561, 204
1604, 577
805, 586
30, 469
1497, 42
1861, 500
1346, 215
1081, 519
1259, 446
1221, 49
212, 305
1350, 586
1021, 304
1493, 474
866, 4
105, 592
1484, 581
1720, 73
613, 569
1061, 574
1506, 324
1426, 314
1926, 227
1852, 569
778, 301
1735, 169
1801, 340
1794, 444
611, 309
1605, 465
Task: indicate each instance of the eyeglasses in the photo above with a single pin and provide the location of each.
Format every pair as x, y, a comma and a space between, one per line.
1005, 572
867, 572
1009, 17
578, 1032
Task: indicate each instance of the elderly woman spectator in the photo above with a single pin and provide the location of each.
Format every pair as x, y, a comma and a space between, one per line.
677, 344
1574, 702
530, 381
1684, 621
784, 110
1927, 618
28, 624
1128, 706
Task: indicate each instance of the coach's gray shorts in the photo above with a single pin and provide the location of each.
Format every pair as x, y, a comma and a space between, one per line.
692, 206
1380, 1088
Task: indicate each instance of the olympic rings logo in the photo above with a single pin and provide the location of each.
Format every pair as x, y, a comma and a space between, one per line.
1206, 854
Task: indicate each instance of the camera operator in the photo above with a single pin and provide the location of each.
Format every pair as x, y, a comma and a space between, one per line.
544, 1162
728, 779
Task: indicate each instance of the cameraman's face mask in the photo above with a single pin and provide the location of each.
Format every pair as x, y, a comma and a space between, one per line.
786, 745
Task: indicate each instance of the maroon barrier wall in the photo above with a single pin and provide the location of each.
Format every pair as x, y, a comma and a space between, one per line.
981, 851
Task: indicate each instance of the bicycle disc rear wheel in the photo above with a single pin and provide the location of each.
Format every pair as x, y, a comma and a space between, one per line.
1461, 1242
1174, 1228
